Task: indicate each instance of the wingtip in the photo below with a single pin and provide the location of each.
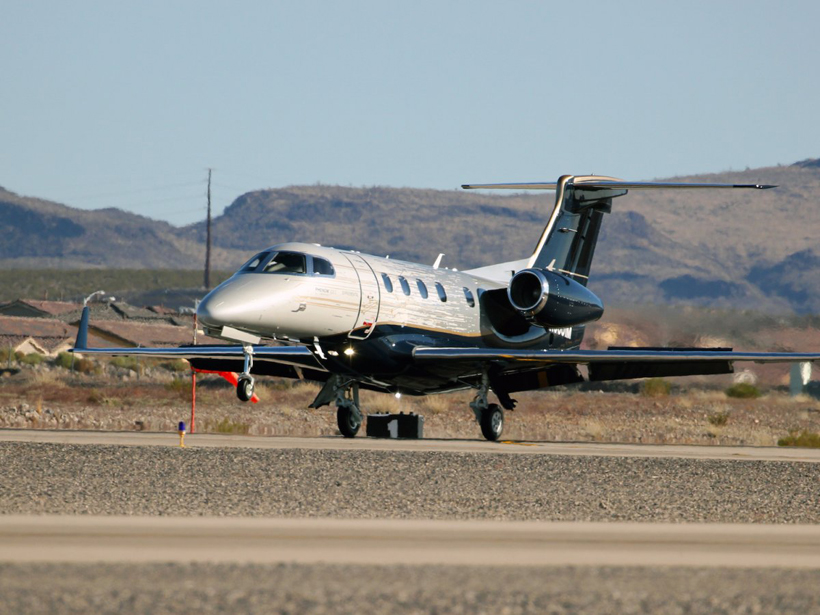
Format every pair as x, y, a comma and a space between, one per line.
81, 343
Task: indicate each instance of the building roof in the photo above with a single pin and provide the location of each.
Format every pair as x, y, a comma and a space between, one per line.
34, 307
128, 333
49, 334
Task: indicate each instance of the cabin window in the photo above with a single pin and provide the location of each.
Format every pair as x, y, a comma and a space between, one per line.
405, 287
257, 260
388, 285
468, 294
287, 263
422, 289
322, 266
440, 290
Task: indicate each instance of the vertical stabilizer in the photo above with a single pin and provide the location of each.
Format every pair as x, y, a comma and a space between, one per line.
567, 243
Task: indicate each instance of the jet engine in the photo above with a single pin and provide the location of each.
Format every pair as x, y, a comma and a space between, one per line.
548, 299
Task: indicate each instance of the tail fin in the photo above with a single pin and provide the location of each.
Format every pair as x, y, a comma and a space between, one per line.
567, 243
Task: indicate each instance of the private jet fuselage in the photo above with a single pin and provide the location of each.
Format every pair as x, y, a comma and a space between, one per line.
363, 315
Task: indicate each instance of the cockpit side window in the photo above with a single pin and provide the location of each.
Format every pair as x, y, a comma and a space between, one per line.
440, 290
388, 284
322, 266
286, 262
257, 260
405, 287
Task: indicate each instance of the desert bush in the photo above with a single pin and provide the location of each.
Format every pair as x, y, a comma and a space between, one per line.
436, 404
228, 426
179, 365
178, 385
718, 419
743, 390
805, 439
86, 366
63, 360
32, 358
656, 387
5, 353
131, 363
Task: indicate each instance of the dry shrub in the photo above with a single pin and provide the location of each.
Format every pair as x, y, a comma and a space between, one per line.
227, 426
743, 390
718, 419
436, 404
655, 387
805, 439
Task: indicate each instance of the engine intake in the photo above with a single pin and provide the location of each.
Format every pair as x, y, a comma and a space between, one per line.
549, 299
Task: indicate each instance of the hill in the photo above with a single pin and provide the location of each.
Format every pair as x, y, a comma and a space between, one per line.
714, 248
43, 234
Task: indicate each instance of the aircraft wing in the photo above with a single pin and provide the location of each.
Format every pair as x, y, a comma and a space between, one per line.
613, 364
227, 357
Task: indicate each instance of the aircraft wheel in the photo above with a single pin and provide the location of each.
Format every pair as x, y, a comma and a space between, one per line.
244, 388
348, 419
492, 422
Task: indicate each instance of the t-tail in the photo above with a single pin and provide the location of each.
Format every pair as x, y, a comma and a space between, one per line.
549, 289
568, 241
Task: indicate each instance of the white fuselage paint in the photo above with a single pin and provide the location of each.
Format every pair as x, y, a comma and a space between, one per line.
304, 306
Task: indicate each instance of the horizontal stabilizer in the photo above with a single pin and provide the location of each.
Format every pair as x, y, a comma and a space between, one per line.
613, 184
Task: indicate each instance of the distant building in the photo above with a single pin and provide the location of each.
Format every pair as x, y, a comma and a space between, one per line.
44, 336
38, 309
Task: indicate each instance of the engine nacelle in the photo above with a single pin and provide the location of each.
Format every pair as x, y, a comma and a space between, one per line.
549, 299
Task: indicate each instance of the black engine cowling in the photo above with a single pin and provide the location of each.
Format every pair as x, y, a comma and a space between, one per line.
549, 299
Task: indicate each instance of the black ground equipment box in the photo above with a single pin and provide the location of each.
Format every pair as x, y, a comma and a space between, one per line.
395, 425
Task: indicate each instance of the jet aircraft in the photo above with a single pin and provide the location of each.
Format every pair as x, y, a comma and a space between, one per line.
351, 320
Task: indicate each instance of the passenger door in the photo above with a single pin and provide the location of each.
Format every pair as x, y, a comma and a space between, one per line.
369, 297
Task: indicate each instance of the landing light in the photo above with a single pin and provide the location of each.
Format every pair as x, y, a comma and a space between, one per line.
349, 352
398, 395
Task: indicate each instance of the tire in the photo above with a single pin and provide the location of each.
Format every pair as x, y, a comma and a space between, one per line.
244, 389
492, 422
346, 419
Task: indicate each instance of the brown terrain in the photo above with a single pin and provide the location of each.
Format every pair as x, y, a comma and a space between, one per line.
124, 394
718, 248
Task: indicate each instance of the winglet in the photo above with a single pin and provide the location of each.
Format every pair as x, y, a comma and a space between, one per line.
82, 333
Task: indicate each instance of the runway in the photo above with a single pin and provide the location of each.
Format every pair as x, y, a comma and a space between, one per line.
121, 539
332, 443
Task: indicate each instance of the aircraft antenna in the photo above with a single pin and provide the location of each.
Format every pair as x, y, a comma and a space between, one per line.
208, 238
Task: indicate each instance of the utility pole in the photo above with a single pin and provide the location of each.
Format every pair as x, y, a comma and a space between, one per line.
208, 240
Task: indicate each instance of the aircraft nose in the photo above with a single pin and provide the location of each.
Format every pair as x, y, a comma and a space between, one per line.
217, 308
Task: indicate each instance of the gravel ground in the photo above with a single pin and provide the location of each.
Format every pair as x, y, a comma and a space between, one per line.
76, 479
208, 588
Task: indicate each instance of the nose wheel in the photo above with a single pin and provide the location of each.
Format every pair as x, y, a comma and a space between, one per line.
244, 387
245, 382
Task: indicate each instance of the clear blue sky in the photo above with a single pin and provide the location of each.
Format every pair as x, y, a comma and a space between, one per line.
125, 104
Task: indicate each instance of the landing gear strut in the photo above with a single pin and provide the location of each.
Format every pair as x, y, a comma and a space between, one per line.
348, 415
245, 382
489, 416
344, 392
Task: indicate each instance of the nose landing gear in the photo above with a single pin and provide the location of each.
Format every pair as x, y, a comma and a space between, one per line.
245, 382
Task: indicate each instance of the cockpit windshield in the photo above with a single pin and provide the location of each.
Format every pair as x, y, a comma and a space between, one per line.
276, 262
254, 263
286, 262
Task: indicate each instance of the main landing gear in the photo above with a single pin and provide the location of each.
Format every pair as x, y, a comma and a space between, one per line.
489, 416
245, 382
345, 394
